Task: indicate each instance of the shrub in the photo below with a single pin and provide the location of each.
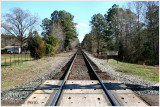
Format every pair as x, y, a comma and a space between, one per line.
51, 45
36, 47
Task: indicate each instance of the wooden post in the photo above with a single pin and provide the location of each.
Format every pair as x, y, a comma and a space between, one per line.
14, 59
5, 61
10, 61
18, 60
21, 58
25, 56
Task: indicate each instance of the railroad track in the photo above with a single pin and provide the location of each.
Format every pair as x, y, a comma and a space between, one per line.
82, 83
81, 69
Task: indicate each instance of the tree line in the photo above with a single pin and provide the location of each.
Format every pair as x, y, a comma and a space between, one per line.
133, 31
58, 35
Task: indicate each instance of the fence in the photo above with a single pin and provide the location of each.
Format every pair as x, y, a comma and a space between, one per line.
14, 59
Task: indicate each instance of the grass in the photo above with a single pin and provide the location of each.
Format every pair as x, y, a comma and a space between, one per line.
5, 59
14, 75
150, 73
25, 72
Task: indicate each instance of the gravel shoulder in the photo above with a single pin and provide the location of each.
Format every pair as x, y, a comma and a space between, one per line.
139, 86
31, 77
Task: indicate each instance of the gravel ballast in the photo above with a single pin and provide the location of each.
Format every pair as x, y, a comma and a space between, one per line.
139, 86
17, 95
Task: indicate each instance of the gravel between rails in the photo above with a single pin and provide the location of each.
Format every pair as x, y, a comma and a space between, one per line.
139, 86
80, 70
19, 94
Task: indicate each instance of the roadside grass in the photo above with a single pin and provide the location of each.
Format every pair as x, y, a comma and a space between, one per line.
15, 59
150, 73
24, 72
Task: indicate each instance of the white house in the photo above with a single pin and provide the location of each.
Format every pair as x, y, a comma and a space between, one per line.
13, 49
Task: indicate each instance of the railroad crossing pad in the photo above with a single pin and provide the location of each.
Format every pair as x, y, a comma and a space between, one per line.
83, 93
41, 96
126, 96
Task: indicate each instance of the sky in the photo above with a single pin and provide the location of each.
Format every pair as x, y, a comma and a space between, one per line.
81, 10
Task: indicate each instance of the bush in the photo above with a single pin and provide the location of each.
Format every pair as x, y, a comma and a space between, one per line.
51, 45
36, 47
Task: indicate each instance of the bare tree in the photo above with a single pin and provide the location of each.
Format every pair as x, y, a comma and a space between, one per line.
140, 12
57, 30
18, 23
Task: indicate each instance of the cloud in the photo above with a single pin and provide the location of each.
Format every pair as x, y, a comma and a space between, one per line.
80, 25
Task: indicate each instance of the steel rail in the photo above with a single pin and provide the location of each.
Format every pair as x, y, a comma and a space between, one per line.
104, 87
63, 83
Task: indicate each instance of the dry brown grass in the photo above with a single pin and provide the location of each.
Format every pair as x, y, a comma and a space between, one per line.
26, 72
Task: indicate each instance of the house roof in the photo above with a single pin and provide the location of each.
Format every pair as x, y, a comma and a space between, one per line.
12, 47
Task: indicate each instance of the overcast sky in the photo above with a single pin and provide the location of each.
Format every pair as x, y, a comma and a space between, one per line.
81, 10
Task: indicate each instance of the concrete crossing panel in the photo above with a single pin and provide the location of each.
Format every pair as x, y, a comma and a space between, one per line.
83, 93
